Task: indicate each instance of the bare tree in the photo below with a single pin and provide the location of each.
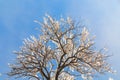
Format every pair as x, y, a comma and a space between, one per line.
64, 50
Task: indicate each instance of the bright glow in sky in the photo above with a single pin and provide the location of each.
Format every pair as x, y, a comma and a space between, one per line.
17, 22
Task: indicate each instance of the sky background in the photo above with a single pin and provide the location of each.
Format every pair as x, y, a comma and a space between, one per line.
102, 17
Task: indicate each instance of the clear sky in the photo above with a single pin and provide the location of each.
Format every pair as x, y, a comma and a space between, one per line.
17, 22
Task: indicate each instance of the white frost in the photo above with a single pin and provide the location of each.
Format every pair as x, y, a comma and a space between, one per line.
111, 78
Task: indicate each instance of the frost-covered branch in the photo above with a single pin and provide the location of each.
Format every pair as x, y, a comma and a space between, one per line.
62, 45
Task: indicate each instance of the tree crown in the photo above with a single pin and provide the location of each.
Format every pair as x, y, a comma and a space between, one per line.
63, 51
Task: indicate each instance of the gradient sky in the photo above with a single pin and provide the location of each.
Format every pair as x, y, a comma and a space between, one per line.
102, 18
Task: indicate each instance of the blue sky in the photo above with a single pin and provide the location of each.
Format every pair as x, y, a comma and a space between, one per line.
17, 22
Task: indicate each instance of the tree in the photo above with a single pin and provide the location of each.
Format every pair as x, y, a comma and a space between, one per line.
64, 50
